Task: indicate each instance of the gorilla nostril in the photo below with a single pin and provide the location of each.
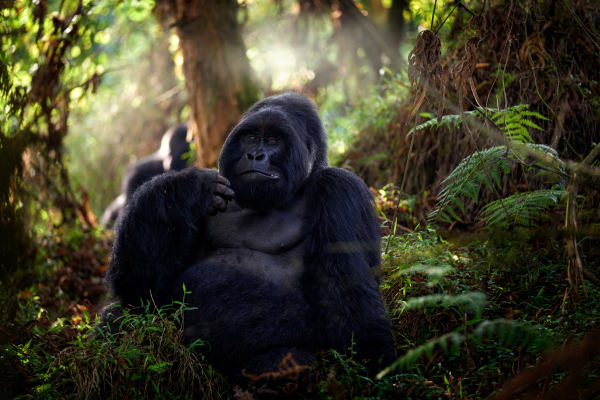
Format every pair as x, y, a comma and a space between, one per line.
249, 156
260, 157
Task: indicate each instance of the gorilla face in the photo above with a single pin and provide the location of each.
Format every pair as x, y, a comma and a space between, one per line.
261, 149
266, 159
274, 149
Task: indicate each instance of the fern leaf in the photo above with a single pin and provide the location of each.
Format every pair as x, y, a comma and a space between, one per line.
447, 120
534, 114
508, 118
445, 218
459, 204
488, 166
531, 124
518, 109
451, 212
512, 126
473, 301
467, 178
522, 208
520, 135
413, 355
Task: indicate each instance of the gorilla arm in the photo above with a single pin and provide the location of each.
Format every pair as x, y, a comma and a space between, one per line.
343, 267
112, 212
159, 232
139, 173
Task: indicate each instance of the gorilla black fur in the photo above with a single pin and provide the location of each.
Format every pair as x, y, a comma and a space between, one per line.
292, 265
168, 158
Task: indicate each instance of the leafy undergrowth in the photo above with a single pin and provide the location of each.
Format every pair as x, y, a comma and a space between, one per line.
467, 319
66, 279
486, 312
147, 360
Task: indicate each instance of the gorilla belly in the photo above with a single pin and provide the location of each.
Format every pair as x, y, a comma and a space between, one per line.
246, 285
282, 271
246, 299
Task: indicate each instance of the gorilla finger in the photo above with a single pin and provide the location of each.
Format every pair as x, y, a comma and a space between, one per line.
216, 201
223, 180
224, 191
212, 211
219, 203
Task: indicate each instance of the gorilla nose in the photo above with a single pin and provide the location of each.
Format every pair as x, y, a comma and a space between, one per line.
256, 156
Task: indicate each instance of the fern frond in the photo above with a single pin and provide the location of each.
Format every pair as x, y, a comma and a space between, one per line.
451, 121
522, 208
512, 121
487, 167
534, 114
510, 111
473, 301
511, 333
411, 356
467, 178
530, 124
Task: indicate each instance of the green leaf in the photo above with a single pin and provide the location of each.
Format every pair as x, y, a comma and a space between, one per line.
530, 124
471, 322
522, 208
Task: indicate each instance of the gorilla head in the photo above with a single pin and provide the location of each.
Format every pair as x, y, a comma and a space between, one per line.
279, 142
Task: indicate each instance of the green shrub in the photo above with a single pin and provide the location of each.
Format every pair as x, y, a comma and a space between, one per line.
147, 359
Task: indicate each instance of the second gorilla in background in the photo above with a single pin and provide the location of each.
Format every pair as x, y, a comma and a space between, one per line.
168, 158
291, 265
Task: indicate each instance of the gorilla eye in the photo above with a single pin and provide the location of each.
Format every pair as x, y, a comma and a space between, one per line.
252, 138
272, 140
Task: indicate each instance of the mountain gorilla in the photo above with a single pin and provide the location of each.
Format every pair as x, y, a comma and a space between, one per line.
279, 250
168, 158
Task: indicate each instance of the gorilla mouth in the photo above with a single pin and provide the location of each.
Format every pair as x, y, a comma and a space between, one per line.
265, 174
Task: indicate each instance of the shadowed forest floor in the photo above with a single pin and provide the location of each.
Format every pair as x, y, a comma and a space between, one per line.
434, 288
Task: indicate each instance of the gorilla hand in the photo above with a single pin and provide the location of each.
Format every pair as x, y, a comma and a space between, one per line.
222, 194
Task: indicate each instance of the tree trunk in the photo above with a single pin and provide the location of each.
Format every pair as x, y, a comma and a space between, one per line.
217, 72
395, 26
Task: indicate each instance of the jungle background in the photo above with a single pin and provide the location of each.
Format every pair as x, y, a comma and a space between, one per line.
475, 125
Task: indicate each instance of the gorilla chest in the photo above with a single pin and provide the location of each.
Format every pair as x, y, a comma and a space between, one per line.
263, 245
